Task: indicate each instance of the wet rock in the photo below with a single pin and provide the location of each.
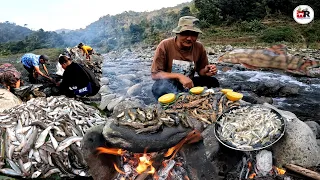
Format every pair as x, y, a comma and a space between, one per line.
105, 100
297, 146
210, 141
126, 138
289, 90
8, 100
126, 82
100, 166
134, 90
255, 99
104, 81
105, 90
268, 88
315, 127
114, 102
130, 77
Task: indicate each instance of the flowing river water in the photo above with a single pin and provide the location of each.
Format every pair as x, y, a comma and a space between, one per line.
129, 69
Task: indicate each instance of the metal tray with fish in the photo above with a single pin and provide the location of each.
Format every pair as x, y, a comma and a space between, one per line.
249, 128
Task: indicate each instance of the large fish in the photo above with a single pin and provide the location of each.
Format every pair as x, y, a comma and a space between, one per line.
274, 57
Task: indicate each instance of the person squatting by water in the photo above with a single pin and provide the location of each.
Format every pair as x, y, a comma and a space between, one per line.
9, 77
77, 80
177, 59
86, 50
31, 63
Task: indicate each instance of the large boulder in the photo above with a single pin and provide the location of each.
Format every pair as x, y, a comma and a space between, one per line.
297, 146
125, 137
8, 100
315, 127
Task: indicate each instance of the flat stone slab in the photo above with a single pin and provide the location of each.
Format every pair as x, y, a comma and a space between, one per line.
126, 138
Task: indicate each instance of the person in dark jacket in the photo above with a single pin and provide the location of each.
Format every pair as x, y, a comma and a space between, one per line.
77, 80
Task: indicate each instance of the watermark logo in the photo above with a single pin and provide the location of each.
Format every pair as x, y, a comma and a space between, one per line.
303, 14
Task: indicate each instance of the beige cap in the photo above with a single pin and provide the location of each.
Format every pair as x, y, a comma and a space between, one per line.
187, 23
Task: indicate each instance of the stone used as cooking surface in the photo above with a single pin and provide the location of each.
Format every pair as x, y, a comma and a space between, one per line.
315, 127
126, 138
297, 146
99, 164
211, 143
8, 100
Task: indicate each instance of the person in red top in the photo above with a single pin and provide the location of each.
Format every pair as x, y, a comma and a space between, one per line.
178, 58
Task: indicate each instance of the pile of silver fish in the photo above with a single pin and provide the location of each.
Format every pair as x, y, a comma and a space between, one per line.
248, 127
42, 137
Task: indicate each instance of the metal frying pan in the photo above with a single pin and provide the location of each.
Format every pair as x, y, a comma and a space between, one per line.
274, 139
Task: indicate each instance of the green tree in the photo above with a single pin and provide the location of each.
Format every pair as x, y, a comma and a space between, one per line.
209, 12
185, 11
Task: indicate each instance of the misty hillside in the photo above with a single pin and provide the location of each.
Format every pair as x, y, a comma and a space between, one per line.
12, 32
129, 27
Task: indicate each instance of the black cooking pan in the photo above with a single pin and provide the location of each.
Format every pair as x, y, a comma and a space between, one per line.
255, 147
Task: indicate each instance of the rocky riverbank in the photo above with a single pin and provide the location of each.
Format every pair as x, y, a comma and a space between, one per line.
126, 80
126, 83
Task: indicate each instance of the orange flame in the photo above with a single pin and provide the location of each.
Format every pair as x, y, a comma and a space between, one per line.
280, 171
144, 164
252, 176
192, 137
113, 151
117, 169
249, 165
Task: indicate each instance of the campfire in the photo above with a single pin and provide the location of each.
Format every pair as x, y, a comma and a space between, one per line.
164, 144
160, 165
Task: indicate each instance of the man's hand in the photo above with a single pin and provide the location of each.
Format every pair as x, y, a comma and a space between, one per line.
52, 80
211, 70
186, 81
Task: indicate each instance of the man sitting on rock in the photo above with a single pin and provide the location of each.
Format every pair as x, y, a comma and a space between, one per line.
177, 59
31, 63
77, 80
87, 50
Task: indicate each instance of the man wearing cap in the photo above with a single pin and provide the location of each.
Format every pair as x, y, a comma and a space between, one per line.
177, 59
31, 63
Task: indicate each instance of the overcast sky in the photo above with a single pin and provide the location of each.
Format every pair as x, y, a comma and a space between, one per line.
71, 14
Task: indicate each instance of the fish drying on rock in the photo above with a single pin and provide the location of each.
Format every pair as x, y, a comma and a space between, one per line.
186, 110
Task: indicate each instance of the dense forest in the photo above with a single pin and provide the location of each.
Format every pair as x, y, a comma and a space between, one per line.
268, 21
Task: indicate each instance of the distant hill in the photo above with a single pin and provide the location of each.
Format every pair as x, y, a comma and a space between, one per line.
127, 28
59, 31
12, 32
